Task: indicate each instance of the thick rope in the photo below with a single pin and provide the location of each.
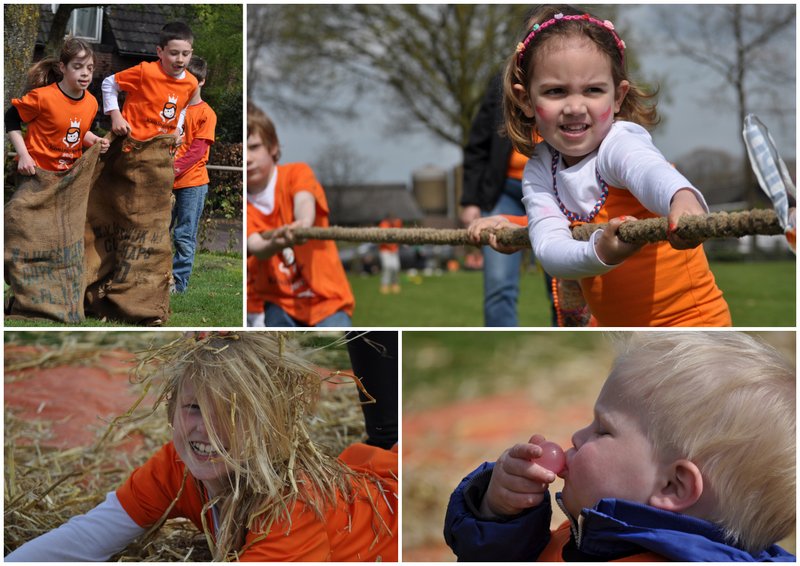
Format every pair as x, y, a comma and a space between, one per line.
690, 228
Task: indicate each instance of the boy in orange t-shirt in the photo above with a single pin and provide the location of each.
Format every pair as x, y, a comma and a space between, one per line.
157, 92
191, 178
290, 282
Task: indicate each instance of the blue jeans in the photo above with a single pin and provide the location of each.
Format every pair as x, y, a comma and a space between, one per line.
501, 271
185, 220
275, 316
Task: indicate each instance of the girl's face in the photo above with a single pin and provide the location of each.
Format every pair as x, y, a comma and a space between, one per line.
260, 163
610, 458
191, 439
77, 74
572, 96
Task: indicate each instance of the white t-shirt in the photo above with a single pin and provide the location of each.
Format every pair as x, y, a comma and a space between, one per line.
265, 200
626, 159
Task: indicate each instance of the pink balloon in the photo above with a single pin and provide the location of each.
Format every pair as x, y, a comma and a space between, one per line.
552, 457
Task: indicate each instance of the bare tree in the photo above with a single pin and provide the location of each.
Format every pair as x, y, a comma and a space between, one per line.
339, 164
715, 172
751, 47
431, 62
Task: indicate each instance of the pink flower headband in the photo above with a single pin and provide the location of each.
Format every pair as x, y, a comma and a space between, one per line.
605, 24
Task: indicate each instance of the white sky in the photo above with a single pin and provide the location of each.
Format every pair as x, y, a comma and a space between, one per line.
692, 121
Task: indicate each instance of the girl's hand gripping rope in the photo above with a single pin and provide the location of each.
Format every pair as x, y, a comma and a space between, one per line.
684, 203
610, 249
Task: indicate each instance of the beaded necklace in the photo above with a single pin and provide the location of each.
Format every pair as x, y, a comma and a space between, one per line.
572, 216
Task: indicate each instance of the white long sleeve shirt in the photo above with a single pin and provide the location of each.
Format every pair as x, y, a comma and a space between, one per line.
93, 537
626, 159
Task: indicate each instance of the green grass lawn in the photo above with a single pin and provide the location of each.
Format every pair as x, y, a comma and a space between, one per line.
760, 294
214, 297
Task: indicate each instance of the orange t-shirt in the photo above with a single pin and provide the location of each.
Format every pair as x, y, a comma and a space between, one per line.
516, 165
657, 286
153, 99
200, 123
560, 537
57, 125
390, 223
307, 281
364, 529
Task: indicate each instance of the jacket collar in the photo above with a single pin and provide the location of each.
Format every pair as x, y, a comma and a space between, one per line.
615, 527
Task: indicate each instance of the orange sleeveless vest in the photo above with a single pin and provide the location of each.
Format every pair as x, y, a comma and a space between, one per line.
658, 286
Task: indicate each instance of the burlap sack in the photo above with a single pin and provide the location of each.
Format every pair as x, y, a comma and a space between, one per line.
128, 250
44, 248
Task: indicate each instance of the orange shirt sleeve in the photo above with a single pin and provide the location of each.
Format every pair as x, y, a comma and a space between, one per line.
28, 106
152, 488
130, 79
303, 179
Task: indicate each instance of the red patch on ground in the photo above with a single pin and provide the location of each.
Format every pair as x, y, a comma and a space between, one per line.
454, 439
79, 399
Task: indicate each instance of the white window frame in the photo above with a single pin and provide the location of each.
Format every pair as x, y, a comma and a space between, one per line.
98, 28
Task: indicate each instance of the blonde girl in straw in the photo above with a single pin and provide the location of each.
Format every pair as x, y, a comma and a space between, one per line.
243, 468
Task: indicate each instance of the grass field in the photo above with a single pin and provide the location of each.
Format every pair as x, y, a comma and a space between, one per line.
214, 297
760, 294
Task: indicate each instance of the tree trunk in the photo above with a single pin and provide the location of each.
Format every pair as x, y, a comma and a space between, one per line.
21, 26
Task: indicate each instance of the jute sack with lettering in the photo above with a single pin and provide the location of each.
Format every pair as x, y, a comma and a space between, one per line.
128, 258
44, 248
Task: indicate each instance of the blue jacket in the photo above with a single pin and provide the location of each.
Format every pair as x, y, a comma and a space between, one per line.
612, 529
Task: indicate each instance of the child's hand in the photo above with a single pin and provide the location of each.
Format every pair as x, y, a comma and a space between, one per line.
26, 165
104, 144
119, 125
498, 222
684, 203
470, 214
610, 249
517, 482
290, 237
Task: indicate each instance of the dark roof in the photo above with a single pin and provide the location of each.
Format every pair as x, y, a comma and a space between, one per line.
366, 205
133, 29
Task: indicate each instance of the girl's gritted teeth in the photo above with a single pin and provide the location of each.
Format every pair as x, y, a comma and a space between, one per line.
203, 449
574, 128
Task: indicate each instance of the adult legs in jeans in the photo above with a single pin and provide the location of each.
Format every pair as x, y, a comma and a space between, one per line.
186, 214
501, 271
275, 316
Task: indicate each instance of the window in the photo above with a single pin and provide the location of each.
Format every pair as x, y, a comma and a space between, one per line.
86, 23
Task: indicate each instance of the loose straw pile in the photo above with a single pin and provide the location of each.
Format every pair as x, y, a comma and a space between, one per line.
690, 228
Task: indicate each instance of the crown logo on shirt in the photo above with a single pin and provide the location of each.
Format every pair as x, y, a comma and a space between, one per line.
172, 99
74, 122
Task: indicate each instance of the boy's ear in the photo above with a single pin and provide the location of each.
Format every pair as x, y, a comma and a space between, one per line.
523, 100
681, 487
